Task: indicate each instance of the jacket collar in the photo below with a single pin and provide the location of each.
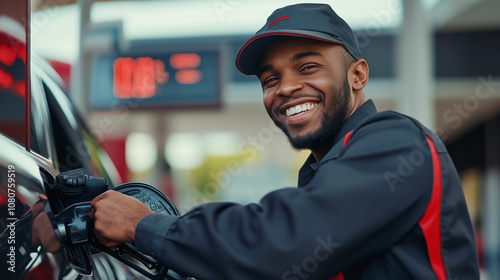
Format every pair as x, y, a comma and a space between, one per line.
309, 168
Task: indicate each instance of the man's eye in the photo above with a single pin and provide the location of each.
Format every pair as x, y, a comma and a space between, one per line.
307, 68
269, 81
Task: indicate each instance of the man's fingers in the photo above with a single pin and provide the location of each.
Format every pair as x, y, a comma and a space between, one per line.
105, 241
43, 234
37, 208
92, 214
97, 198
93, 203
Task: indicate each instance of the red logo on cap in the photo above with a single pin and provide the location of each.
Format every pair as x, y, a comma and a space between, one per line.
278, 19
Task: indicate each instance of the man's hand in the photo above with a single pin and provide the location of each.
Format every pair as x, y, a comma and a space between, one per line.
116, 217
42, 232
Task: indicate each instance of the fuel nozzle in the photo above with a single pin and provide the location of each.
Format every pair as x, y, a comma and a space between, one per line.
77, 186
74, 228
74, 224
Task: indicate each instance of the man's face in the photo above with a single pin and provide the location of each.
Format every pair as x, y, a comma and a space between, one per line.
306, 92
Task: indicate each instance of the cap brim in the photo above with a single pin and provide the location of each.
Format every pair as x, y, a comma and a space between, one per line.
248, 58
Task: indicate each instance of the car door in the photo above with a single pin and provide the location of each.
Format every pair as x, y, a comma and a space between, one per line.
34, 148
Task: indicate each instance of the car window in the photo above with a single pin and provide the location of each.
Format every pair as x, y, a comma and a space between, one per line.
40, 126
75, 146
12, 88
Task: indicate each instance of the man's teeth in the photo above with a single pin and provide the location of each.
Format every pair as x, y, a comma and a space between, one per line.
299, 109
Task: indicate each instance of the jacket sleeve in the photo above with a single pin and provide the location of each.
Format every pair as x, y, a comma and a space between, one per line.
363, 198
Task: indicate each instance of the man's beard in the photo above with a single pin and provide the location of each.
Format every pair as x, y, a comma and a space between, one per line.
330, 125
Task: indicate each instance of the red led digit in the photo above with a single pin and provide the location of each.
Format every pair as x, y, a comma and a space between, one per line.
6, 79
20, 88
143, 78
188, 77
161, 76
122, 77
7, 55
185, 60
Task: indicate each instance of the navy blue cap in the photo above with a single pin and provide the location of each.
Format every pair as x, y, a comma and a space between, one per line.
314, 21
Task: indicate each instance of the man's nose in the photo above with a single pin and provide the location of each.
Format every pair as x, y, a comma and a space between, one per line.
288, 86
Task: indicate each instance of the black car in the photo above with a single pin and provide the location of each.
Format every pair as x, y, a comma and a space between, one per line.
44, 141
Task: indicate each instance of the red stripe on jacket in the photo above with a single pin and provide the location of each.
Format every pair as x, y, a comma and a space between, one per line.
339, 276
347, 138
431, 221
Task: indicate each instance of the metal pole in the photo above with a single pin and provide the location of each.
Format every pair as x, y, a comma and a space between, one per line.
80, 74
415, 70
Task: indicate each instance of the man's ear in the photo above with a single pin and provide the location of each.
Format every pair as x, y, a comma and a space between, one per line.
358, 73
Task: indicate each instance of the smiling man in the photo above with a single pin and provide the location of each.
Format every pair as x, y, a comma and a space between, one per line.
379, 197
298, 74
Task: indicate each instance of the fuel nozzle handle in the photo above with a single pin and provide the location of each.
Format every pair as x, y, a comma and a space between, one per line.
74, 225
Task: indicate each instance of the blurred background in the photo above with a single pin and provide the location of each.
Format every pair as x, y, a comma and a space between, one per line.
157, 84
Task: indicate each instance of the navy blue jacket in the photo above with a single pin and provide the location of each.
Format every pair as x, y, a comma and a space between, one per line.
384, 203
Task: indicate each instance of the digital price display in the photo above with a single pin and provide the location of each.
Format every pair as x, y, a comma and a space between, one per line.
177, 79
